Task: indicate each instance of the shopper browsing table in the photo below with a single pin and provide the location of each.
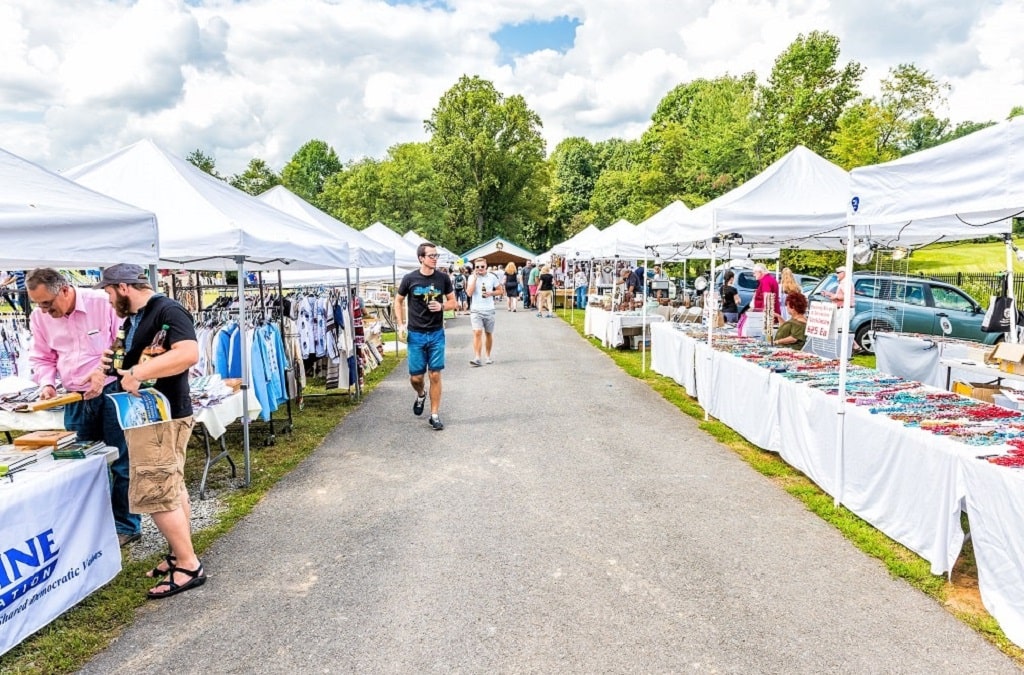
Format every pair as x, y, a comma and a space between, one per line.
422, 322
157, 451
71, 329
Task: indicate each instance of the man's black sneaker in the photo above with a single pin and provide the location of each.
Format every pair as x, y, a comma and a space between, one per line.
436, 422
417, 406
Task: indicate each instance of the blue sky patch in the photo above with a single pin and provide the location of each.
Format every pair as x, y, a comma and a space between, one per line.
523, 38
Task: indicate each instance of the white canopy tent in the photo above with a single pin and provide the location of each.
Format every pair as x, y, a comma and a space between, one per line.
616, 240
405, 251
573, 247
206, 224
48, 220
966, 188
373, 260
447, 257
797, 202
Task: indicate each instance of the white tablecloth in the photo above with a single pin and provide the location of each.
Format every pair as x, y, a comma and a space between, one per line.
217, 418
995, 511
918, 359
63, 509
607, 326
672, 355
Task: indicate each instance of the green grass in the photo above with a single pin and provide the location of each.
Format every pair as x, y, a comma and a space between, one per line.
67, 643
900, 561
989, 257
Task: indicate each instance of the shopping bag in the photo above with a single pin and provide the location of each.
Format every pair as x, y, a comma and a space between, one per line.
997, 317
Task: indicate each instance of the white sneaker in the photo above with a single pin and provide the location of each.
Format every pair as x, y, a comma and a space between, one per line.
488, 360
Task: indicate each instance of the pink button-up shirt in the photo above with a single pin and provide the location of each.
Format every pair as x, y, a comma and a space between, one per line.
73, 345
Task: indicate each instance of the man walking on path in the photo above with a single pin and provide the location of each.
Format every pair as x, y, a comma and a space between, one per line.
423, 325
483, 286
157, 451
71, 329
534, 276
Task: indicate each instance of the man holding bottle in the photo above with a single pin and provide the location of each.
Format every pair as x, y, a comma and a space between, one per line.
158, 450
71, 329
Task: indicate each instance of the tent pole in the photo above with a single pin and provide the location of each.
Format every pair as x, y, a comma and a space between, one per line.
352, 322
844, 361
1012, 337
240, 260
394, 285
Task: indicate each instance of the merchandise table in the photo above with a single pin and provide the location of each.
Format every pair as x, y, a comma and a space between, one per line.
969, 371
608, 326
214, 420
996, 515
57, 515
672, 355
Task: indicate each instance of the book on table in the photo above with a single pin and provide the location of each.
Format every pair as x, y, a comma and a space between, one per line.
42, 439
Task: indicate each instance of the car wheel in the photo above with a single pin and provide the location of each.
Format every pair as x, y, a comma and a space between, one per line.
865, 335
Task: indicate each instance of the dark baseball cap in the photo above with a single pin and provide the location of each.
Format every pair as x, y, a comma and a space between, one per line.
123, 273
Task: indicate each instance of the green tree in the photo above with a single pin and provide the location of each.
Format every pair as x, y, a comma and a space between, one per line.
309, 168
805, 96
411, 192
488, 154
204, 162
257, 178
701, 140
574, 170
901, 121
354, 195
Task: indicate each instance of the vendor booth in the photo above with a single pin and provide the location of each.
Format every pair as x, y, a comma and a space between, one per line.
206, 224
56, 524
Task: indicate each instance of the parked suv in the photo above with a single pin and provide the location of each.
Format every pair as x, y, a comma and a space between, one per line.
911, 305
746, 284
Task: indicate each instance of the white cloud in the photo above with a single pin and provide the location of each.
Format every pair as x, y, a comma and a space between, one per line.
260, 78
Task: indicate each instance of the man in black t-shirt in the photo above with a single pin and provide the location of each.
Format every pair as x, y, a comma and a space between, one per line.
419, 301
156, 453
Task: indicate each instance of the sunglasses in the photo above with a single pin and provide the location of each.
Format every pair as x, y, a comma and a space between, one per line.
481, 267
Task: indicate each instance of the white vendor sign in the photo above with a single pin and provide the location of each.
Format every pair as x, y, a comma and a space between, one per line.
57, 544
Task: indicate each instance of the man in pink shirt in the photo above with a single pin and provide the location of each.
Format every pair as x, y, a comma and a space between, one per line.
71, 329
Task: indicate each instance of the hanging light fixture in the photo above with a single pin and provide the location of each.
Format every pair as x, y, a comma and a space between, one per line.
863, 253
899, 253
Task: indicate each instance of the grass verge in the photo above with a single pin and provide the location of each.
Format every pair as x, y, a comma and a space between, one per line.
67, 643
958, 595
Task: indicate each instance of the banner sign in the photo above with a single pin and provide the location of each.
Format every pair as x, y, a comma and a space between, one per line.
57, 544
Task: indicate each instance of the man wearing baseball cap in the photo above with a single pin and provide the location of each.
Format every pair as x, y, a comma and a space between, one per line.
157, 452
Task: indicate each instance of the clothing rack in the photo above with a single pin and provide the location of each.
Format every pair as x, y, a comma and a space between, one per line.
224, 308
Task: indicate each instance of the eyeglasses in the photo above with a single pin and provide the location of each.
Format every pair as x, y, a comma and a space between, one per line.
481, 267
45, 305
432, 256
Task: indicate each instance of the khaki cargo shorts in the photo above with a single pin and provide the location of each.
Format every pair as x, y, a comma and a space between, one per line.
156, 459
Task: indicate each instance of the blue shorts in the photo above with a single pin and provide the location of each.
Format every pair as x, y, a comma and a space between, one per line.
426, 351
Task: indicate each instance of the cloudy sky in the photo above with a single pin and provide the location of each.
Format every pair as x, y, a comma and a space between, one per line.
241, 79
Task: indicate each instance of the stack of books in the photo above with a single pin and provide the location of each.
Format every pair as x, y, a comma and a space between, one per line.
39, 440
80, 450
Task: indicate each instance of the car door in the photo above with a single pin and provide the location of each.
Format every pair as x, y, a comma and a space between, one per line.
960, 310
910, 302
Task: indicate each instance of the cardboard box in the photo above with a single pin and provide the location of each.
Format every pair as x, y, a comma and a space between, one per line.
1010, 357
980, 355
982, 391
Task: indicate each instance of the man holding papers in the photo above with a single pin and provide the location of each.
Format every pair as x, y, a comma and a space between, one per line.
157, 451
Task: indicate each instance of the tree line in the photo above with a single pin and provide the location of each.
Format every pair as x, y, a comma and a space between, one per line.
485, 171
